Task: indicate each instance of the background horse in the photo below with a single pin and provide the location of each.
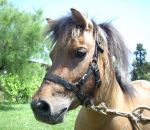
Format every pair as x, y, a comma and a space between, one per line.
89, 66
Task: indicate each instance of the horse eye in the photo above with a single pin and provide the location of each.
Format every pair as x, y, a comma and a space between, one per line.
80, 52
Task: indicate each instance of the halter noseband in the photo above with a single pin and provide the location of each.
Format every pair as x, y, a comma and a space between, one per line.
76, 87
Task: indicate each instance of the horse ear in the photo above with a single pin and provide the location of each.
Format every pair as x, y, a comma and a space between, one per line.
81, 19
50, 21
51, 24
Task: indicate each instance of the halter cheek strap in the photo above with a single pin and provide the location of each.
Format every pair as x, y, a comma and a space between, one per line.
76, 87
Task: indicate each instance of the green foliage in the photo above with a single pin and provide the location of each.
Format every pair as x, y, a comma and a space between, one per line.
17, 89
140, 54
141, 68
20, 35
2, 2
12, 83
21, 41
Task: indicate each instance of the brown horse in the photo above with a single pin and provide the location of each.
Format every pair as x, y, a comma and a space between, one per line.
89, 66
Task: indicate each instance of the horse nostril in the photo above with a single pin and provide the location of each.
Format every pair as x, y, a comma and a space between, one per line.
41, 106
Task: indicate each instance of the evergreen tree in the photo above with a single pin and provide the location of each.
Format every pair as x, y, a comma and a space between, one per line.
141, 68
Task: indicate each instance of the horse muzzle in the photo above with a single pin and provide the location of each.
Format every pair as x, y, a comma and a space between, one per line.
43, 112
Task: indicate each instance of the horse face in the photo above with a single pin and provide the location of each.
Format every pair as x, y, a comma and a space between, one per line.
70, 61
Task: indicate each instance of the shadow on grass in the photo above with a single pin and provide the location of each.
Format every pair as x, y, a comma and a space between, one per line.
6, 107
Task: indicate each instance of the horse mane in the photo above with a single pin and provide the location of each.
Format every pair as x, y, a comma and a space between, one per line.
119, 54
66, 28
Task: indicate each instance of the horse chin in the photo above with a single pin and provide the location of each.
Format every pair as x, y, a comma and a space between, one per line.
52, 119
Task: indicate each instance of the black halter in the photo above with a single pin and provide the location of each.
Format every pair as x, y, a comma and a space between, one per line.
76, 87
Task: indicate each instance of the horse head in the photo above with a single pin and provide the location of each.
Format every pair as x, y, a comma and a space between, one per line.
80, 68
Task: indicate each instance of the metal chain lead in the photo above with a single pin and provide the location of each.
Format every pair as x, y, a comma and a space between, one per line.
133, 116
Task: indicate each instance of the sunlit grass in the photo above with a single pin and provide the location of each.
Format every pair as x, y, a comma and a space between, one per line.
20, 117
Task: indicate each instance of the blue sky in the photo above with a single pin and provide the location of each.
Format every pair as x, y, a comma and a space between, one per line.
130, 17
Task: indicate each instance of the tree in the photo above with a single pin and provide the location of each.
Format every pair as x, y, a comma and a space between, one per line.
140, 54
141, 68
20, 42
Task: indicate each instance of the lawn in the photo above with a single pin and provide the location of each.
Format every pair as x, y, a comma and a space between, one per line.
20, 117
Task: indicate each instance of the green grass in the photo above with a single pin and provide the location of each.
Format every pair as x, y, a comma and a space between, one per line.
20, 117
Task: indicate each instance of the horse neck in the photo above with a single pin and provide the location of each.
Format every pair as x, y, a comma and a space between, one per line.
110, 91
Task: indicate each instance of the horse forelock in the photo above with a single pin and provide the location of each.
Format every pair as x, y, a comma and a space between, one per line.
64, 30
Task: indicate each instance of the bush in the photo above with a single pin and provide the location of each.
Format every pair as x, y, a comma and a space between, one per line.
10, 86
17, 89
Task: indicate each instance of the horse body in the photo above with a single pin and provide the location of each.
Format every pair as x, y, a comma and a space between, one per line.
88, 68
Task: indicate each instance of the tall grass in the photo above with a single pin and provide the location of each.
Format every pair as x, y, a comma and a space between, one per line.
20, 117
